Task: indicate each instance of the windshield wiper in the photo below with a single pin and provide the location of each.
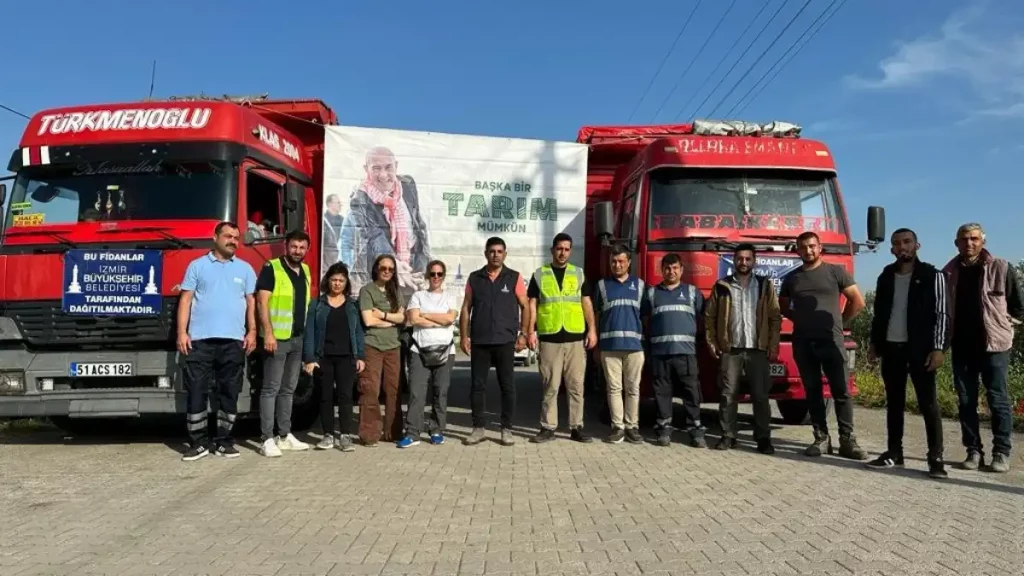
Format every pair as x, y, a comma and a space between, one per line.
178, 242
55, 234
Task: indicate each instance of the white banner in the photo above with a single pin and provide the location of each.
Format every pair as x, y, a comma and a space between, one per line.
426, 196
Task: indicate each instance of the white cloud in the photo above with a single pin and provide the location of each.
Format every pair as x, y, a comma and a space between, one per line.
967, 52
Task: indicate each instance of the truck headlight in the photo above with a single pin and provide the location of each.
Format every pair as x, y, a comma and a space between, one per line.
12, 382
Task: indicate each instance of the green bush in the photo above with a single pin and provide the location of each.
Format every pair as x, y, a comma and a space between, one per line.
872, 391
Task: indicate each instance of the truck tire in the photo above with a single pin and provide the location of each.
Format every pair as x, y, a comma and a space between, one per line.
794, 412
305, 403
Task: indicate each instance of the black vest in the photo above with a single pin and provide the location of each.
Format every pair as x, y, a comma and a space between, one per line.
495, 310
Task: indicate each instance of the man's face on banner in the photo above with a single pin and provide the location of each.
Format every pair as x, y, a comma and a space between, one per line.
382, 169
334, 205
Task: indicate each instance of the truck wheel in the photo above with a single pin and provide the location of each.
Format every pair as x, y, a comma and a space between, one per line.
794, 412
305, 403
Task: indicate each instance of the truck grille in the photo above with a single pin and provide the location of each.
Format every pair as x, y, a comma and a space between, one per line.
43, 324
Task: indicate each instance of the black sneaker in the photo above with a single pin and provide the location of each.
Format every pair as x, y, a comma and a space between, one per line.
765, 447
195, 453
227, 451
664, 437
937, 470
616, 437
579, 435
726, 443
633, 436
545, 435
886, 460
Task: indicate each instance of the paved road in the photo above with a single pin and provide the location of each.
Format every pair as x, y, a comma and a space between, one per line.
107, 506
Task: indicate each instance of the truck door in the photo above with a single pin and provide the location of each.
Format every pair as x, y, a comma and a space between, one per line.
263, 211
628, 229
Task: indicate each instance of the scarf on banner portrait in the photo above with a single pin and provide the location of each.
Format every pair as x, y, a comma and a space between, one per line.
397, 215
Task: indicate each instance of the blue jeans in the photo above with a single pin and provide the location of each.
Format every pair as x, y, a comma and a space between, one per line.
990, 368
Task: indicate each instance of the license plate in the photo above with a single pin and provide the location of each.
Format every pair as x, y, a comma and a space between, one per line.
100, 369
777, 369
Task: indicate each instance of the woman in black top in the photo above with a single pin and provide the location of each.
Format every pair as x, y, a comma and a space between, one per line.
333, 345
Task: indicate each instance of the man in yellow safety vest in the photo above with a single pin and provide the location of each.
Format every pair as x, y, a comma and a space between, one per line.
282, 292
562, 324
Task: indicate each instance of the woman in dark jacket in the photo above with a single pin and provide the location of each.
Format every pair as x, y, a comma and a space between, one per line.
333, 344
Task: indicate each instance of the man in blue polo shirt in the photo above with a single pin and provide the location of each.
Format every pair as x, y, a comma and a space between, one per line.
672, 308
216, 330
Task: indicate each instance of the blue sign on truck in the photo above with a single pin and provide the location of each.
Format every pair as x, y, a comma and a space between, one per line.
774, 267
112, 282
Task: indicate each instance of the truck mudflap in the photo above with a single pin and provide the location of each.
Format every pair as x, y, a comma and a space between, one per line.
94, 384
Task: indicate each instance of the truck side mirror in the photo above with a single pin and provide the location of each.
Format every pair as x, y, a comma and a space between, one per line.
3, 193
604, 219
876, 224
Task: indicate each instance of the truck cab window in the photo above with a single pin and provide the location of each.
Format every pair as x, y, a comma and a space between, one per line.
263, 201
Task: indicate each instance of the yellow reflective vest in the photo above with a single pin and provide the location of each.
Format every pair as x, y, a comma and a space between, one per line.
282, 300
560, 309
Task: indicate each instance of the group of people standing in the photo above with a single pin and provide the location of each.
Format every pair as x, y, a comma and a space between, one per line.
338, 338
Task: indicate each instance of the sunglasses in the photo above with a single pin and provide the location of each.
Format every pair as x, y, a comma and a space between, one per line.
385, 269
436, 274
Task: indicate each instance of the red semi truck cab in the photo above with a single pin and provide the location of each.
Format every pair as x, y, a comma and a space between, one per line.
108, 206
700, 189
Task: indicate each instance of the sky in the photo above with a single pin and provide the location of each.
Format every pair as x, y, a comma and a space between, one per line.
921, 103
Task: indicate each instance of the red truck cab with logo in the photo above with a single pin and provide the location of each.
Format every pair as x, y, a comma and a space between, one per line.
85, 330
700, 189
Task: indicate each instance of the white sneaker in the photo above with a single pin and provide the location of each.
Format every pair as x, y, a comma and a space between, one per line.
270, 449
291, 443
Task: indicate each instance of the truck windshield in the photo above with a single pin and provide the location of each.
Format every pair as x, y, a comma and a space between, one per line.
157, 190
781, 203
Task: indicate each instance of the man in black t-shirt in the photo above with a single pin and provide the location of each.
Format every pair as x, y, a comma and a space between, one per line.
810, 298
282, 318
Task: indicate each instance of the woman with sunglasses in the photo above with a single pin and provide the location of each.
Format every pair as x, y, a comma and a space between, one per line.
333, 343
432, 315
382, 313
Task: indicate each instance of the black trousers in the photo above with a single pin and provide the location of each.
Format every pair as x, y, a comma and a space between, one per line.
667, 371
481, 358
814, 357
898, 362
213, 377
337, 381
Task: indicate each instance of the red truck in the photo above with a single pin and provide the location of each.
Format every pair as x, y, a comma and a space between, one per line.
108, 206
700, 189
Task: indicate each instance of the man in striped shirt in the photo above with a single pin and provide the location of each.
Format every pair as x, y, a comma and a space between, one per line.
672, 308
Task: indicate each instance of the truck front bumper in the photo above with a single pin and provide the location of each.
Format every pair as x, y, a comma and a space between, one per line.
47, 389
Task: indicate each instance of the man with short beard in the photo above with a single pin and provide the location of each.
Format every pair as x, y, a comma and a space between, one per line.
909, 332
810, 298
742, 325
282, 294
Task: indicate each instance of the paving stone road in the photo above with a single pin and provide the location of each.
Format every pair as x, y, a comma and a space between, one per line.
110, 506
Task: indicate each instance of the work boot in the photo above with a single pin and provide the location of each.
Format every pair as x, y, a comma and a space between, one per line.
697, 439
822, 444
764, 446
664, 436
579, 435
849, 449
476, 437
937, 470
